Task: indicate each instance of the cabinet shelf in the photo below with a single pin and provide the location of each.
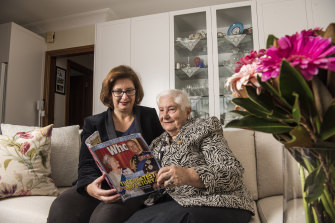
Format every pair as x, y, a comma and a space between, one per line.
200, 73
198, 46
225, 45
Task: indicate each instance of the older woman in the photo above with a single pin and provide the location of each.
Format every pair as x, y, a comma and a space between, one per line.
91, 200
199, 171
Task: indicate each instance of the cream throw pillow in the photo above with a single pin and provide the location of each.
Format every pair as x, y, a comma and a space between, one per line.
25, 164
65, 147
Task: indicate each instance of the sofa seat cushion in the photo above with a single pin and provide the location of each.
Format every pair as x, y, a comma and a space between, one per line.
29, 209
270, 209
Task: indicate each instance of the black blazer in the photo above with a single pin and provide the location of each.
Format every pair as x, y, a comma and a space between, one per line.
146, 122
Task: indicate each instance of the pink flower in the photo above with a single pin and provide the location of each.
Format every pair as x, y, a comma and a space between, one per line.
24, 147
305, 51
249, 59
25, 135
246, 73
246, 76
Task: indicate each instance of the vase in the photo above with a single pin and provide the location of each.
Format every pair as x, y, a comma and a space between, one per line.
309, 185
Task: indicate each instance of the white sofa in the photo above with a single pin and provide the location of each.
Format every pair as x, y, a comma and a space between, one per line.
259, 153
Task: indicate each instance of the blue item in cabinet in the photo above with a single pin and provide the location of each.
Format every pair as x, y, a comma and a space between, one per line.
236, 28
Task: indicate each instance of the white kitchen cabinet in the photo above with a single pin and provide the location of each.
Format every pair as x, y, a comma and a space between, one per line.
23, 51
112, 48
150, 54
214, 37
286, 17
320, 13
140, 42
280, 18
192, 50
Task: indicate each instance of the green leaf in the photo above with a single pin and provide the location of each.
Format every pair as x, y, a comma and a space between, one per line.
273, 92
328, 124
322, 96
278, 114
259, 124
299, 137
261, 100
242, 113
270, 40
251, 107
296, 109
314, 184
290, 81
266, 102
6, 163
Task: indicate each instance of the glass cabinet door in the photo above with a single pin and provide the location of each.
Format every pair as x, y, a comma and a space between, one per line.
191, 60
233, 38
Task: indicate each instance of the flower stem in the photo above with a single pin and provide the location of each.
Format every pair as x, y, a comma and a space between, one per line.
328, 204
306, 207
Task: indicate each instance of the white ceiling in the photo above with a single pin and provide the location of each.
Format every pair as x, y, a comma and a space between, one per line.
25, 12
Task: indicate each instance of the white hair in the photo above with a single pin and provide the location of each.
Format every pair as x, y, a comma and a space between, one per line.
179, 96
106, 160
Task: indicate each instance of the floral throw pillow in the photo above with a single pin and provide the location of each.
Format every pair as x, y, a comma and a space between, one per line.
25, 164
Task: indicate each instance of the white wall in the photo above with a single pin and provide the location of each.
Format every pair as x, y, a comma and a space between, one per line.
25, 76
81, 36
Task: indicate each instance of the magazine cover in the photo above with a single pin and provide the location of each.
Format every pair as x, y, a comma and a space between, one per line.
128, 163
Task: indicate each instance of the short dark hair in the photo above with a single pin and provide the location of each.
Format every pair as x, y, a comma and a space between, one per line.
117, 73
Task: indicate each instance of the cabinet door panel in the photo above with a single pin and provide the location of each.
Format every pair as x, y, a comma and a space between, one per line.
320, 13
150, 54
280, 17
112, 48
229, 47
191, 58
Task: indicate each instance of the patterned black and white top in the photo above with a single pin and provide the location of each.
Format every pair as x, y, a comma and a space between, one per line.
200, 145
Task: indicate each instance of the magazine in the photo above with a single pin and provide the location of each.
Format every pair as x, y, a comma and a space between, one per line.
128, 163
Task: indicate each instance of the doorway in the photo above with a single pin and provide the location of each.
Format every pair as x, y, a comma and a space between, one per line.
77, 84
79, 99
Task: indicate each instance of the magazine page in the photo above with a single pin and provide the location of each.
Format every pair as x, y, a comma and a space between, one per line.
90, 142
128, 163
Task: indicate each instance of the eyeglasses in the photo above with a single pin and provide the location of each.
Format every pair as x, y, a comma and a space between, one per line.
119, 93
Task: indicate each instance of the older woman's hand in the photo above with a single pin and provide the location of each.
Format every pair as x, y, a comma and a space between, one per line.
107, 196
171, 176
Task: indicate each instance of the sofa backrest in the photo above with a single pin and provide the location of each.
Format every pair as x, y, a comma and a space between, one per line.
241, 142
269, 156
64, 157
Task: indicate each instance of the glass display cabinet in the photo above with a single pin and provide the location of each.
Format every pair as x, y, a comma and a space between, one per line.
233, 37
192, 64
206, 43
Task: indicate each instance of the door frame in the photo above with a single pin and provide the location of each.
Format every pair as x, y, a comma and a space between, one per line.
87, 72
50, 77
